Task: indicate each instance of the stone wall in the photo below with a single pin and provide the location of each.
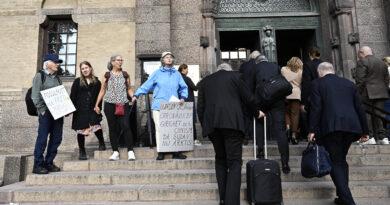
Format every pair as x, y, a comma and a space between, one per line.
372, 25
387, 13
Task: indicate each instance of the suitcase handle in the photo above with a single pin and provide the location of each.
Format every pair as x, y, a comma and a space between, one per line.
265, 137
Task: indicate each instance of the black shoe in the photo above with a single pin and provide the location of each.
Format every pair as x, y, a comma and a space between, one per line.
260, 155
82, 155
52, 168
337, 201
245, 140
160, 156
102, 146
286, 169
294, 141
178, 155
40, 170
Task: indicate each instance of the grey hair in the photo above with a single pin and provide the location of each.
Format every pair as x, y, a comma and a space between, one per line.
224, 66
261, 58
162, 60
325, 67
45, 64
254, 54
112, 58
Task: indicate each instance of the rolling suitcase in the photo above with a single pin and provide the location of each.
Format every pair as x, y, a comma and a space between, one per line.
264, 185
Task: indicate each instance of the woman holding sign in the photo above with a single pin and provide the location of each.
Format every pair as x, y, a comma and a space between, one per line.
115, 89
86, 121
166, 82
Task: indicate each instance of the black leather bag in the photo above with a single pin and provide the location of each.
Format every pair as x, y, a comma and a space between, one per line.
315, 161
274, 89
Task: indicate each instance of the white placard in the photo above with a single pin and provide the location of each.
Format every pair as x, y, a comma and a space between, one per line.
151, 66
176, 127
58, 101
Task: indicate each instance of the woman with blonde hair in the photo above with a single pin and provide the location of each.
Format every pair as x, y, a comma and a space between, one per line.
86, 121
293, 73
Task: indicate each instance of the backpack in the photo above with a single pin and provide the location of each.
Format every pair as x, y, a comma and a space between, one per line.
31, 109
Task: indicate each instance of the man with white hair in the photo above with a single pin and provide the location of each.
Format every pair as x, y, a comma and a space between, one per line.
372, 80
337, 114
220, 100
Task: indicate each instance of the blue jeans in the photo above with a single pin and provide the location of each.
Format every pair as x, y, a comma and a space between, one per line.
47, 125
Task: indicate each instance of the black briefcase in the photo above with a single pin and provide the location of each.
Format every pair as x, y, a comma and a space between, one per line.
264, 185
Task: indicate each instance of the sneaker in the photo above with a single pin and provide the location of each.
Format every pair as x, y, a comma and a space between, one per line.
383, 141
370, 141
131, 155
40, 170
197, 143
114, 156
52, 168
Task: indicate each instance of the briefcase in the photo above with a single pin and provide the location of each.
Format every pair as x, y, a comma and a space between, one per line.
315, 161
264, 185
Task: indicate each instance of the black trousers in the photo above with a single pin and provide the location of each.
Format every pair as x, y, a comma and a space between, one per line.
81, 139
376, 127
228, 163
276, 127
338, 144
116, 124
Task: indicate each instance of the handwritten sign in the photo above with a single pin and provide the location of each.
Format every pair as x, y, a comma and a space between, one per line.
176, 127
58, 101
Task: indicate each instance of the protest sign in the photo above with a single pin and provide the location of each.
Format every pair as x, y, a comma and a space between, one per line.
58, 101
176, 127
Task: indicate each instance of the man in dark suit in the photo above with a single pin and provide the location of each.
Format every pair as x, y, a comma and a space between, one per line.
372, 80
220, 113
275, 113
248, 72
338, 113
309, 74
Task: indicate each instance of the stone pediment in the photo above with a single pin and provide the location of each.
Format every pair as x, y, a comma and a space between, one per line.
263, 6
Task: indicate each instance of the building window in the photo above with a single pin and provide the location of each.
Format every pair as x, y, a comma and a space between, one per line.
61, 39
235, 58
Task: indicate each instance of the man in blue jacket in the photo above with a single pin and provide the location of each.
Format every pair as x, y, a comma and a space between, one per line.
166, 82
337, 118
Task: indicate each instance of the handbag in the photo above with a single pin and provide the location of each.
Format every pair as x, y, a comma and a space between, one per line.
274, 89
315, 161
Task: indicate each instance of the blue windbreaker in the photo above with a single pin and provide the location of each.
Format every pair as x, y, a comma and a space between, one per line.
166, 82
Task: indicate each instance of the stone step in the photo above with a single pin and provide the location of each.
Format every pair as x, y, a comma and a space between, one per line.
113, 177
200, 163
206, 150
18, 193
359, 201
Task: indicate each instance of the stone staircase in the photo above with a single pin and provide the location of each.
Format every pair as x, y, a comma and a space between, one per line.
191, 181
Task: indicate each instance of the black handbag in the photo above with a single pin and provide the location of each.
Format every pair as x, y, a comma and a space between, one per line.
274, 89
315, 161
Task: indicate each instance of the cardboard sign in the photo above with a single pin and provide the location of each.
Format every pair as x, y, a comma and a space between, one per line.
176, 127
58, 101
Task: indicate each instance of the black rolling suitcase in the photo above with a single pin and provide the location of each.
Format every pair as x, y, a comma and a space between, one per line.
264, 185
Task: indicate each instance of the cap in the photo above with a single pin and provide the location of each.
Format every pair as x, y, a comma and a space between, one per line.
166, 53
52, 57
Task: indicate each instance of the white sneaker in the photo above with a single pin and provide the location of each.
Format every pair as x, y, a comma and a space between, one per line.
197, 143
114, 156
384, 141
131, 156
370, 141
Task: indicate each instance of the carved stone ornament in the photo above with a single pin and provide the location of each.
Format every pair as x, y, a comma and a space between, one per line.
335, 42
263, 6
353, 38
204, 41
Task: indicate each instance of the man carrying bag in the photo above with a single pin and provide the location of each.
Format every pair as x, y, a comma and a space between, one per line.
338, 114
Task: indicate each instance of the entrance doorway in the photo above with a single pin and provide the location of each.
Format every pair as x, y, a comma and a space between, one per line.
292, 43
235, 46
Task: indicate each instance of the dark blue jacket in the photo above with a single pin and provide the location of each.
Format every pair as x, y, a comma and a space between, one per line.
336, 106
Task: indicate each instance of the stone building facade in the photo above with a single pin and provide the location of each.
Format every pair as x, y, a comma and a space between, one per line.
198, 32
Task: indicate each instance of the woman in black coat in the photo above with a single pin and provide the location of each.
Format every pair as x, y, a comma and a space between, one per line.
85, 121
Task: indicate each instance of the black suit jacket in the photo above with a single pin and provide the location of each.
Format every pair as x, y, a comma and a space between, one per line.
249, 74
309, 74
219, 102
336, 106
264, 71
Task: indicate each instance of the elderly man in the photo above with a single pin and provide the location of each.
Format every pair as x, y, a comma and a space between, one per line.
47, 124
220, 113
372, 80
339, 115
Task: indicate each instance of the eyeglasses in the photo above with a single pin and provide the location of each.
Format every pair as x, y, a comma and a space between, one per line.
119, 60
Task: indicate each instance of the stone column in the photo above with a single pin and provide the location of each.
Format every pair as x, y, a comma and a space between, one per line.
208, 59
344, 37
